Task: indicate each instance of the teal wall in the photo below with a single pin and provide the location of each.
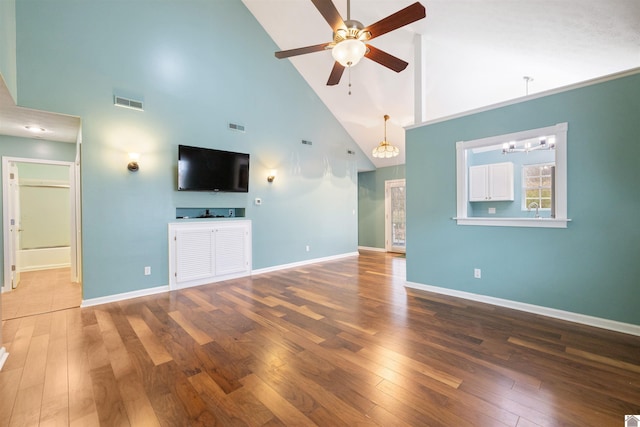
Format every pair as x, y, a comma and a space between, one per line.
197, 65
371, 204
8, 46
589, 268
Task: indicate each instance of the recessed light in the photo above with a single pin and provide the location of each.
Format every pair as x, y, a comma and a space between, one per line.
35, 129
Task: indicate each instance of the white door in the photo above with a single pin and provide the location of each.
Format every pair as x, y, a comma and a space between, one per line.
14, 224
395, 216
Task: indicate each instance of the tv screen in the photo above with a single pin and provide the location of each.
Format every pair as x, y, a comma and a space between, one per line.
206, 169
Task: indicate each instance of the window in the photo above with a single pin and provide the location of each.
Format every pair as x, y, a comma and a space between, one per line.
537, 187
553, 198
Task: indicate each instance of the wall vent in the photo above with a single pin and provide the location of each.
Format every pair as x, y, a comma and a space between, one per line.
236, 127
305, 142
351, 152
127, 103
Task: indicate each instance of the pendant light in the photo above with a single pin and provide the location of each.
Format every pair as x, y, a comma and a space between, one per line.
384, 149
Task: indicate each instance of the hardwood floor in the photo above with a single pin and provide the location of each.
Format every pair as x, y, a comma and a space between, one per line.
40, 292
332, 344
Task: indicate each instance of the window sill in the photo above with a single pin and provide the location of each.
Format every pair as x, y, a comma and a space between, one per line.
515, 222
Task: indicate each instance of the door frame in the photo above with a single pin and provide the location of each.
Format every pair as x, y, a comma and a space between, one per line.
74, 198
388, 244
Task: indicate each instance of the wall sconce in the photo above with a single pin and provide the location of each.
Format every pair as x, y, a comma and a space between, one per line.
133, 162
272, 175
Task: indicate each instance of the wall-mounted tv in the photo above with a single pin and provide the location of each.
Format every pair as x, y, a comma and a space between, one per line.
206, 169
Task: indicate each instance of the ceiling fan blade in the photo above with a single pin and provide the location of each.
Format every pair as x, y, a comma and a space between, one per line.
328, 10
399, 19
336, 74
301, 50
386, 59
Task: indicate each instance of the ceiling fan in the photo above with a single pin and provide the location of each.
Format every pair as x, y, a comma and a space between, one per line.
350, 38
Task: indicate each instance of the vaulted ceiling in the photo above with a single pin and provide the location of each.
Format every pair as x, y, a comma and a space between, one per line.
474, 53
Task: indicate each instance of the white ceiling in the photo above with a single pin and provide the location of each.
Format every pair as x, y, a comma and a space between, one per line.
15, 119
475, 53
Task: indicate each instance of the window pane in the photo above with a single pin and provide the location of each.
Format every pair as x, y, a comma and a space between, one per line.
533, 182
545, 203
531, 171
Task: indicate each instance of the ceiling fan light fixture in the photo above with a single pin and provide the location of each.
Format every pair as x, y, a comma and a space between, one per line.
384, 150
349, 52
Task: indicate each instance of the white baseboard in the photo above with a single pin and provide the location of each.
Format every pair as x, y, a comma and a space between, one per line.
367, 248
569, 316
45, 267
302, 263
3, 356
160, 289
44, 258
124, 296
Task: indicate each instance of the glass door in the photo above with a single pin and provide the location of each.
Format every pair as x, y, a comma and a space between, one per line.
395, 215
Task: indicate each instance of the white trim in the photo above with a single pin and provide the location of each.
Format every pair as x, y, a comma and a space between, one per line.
124, 296
569, 316
388, 237
559, 130
160, 289
549, 92
514, 222
372, 249
303, 263
74, 198
3, 356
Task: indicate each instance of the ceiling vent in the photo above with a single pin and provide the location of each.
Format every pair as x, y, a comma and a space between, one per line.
305, 142
236, 127
128, 103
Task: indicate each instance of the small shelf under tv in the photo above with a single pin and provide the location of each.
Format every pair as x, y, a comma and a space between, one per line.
209, 213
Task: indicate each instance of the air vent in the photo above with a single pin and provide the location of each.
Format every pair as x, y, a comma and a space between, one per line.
351, 152
128, 103
305, 142
236, 127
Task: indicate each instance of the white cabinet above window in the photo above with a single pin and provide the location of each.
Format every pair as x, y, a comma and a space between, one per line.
492, 182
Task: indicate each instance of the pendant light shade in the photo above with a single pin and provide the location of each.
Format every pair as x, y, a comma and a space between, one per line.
384, 149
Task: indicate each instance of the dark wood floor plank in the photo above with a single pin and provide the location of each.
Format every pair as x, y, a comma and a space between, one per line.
338, 343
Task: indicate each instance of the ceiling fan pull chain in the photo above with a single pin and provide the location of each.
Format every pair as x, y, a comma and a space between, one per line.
349, 70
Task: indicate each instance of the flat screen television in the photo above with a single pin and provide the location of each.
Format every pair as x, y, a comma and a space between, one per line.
206, 169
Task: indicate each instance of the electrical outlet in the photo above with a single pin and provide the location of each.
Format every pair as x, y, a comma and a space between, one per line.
147, 271
308, 248
477, 273
230, 212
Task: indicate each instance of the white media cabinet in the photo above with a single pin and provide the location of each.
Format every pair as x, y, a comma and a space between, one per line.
203, 252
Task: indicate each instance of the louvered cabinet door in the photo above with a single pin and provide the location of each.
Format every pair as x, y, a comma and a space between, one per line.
194, 254
230, 250
207, 252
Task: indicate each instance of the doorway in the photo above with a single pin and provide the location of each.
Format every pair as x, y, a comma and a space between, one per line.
395, 215
41, 237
